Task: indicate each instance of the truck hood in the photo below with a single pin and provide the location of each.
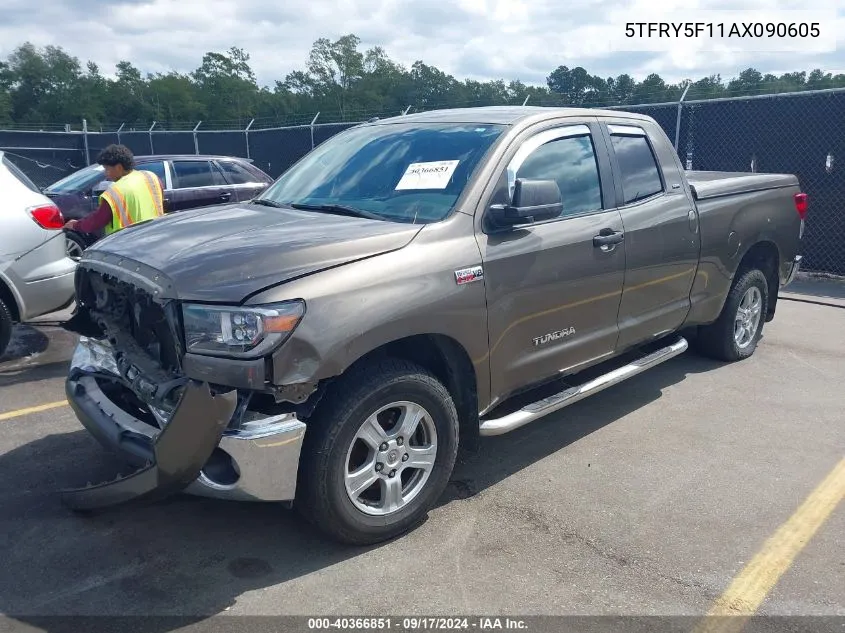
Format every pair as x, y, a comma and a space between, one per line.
226, 253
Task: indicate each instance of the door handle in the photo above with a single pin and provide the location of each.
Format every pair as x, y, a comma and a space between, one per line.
608, 237
225, 195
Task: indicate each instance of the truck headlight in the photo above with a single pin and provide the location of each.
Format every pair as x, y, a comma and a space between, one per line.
241, 331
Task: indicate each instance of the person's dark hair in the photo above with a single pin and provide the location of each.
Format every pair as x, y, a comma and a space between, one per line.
117, 155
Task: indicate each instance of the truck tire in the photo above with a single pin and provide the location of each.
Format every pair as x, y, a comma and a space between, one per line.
5, 327
735, 334
363, 476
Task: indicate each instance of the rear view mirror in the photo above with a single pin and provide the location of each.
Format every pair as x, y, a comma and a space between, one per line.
533, 201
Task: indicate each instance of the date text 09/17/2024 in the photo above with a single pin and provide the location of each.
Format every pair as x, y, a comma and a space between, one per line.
722, 29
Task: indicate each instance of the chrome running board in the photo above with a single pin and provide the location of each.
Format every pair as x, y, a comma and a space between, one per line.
570, 395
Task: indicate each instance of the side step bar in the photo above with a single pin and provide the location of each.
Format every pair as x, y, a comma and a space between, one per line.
542, 408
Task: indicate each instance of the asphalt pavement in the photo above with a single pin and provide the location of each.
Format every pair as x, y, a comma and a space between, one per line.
648, 499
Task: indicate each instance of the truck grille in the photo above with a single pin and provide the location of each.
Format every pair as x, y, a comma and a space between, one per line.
144, 329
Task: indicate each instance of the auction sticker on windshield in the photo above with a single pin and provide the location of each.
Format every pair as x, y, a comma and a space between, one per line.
433, 175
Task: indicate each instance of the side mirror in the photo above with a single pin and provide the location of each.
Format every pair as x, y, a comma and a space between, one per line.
533, 201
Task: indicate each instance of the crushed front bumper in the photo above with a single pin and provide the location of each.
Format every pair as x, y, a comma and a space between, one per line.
195, 451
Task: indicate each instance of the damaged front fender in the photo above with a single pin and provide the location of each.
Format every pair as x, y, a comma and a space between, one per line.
179, 451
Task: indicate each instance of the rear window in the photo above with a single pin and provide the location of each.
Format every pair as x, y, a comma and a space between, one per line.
22, 177
236, 173
196, 173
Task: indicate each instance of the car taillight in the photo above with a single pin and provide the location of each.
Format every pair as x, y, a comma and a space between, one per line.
48, 216
801, 204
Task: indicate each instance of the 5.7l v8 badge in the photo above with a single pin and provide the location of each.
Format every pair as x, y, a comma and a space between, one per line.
468, 275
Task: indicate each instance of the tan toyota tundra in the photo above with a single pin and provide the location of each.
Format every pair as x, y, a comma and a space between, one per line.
410, 285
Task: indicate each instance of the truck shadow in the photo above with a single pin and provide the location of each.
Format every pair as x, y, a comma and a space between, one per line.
37, 352
503, 456
26, 341
199, 557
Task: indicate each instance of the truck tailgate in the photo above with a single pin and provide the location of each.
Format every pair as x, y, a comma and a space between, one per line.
712, 184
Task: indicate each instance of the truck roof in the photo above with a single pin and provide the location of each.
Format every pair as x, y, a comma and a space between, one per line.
506, 115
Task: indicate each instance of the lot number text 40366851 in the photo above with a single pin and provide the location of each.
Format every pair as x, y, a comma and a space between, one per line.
722, 29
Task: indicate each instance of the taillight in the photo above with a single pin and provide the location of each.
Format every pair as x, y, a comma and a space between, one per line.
47, 216
801, 204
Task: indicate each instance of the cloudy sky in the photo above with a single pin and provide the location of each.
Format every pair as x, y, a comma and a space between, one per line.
480, 39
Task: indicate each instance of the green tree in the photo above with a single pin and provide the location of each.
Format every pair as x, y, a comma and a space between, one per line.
5, 94
431, 86
338, 79
127, 98
227, 86
332, 71
175, 99
574, 85
749, 82
43, 84
707, 88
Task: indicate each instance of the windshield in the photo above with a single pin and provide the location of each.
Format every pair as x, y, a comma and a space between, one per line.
404, 172
78, 180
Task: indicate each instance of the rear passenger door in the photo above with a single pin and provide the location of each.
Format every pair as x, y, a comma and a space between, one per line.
197, 183
661, 232
243, 183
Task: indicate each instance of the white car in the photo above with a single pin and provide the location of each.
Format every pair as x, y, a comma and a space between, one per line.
36, 275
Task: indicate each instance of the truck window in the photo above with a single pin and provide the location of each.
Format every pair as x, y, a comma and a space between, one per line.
571, 162
638, 167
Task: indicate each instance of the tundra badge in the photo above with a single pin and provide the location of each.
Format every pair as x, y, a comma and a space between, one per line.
553, 336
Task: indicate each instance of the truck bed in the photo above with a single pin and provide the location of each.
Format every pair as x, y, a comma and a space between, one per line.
713, 184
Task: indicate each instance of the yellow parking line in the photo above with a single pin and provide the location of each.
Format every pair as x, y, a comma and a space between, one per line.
37, 409
748, 590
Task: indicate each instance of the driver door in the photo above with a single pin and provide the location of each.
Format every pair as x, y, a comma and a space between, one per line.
553, 291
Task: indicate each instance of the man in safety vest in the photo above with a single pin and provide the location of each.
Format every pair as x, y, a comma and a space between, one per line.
134, 195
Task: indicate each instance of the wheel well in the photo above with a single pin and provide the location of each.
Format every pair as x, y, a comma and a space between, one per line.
444, 357
9, 299
765, 256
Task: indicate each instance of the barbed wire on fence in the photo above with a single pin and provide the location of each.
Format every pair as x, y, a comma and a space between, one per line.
792, 132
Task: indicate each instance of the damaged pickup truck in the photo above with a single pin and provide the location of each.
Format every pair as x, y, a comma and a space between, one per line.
410, 285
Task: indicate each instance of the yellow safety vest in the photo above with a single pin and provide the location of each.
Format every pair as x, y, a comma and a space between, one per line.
134, 198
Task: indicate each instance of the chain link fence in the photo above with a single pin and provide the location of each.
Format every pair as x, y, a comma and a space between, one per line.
794, 133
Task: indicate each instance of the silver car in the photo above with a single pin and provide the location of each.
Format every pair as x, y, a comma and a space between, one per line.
36, 276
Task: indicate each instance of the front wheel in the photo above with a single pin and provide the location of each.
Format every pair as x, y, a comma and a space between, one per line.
735, 334
379, 454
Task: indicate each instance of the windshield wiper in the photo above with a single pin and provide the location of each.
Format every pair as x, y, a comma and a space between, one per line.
266, 203
337, 208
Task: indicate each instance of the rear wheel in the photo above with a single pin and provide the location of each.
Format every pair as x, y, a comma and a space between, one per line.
74, 246
378, 454
5, 327
734, 336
